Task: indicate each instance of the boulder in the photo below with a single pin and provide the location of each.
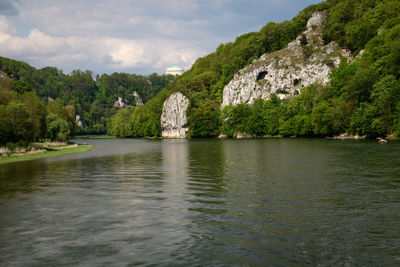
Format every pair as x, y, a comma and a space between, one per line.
243, 135
173, 117
381, 140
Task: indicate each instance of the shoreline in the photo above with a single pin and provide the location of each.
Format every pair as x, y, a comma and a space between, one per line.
333, 138
43, 153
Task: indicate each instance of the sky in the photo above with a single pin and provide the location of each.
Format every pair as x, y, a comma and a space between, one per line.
133, 36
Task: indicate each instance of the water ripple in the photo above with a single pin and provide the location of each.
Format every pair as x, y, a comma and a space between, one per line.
205, 202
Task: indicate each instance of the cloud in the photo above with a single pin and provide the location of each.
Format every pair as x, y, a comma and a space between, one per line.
7, 8
130, 35
114, 54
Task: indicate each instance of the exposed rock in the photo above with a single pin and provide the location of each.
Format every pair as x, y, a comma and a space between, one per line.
345, 136
173, 118
3, 75
120, 103
381, 140
285, 73
123, 103
243, 135
137, 100
360, 53
78, 120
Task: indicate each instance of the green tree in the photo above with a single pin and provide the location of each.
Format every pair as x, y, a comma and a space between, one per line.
57, 128
20, 123
204, 119
37, 113
257, 123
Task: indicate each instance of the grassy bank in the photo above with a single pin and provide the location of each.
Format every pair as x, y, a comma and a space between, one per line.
46, 154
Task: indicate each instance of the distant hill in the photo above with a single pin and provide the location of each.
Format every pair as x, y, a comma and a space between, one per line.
94, 98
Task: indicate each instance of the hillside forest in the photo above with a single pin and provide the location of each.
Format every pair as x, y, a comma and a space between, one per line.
362, 97
38, 104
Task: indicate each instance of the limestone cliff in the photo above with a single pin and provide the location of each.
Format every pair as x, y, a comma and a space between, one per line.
173, 118
3, 75
123, 103
137, 100
78, 120
285, 73
120, 103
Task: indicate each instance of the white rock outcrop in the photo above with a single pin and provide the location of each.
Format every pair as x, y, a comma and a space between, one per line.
137, 100
78, 120
285, 73
119, 103
173, 117
123, 103
3, 75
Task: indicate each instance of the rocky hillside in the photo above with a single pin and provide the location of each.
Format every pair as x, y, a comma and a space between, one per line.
285, 73
289, 78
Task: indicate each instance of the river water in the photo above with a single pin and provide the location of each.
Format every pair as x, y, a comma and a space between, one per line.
256, 202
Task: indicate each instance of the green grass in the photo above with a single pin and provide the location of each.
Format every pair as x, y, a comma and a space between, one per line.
79, 149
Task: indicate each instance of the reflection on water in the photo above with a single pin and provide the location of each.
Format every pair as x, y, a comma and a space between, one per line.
205, 202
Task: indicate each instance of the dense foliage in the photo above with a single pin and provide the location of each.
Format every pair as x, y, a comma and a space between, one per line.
204, 82
362, 98
92, 97
25, 118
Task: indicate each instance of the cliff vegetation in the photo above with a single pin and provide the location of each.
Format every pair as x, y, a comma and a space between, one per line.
361, 97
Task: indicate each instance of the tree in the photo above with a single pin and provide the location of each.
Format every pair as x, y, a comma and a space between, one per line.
118, 125
385, 96
57, 128
37, 112
21, 86
256, 122
20, 123
204, 119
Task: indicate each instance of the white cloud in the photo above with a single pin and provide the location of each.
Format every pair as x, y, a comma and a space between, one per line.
129, 35
114, 53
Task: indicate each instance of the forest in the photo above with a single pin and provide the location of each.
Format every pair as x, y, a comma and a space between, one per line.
38, 104
362, 98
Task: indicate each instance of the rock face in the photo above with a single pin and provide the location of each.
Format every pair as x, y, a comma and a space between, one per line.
173, 118
137, 100
3, 75
119, 103
78, 120
285, 73
123, 103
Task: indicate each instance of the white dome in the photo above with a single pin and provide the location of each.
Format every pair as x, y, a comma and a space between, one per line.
174, 70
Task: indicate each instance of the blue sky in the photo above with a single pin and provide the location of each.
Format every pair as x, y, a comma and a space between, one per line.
129, 35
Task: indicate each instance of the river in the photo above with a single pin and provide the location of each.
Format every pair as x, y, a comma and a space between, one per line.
205, 202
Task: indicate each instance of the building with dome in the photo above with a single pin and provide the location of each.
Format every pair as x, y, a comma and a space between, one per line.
174, 70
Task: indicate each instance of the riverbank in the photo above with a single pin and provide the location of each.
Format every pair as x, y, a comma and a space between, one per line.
94, 137
44, 151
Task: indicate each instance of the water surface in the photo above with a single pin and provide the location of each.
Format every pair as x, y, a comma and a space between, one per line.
257, 202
